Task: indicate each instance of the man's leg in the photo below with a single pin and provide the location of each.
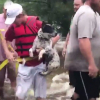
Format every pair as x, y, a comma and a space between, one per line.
86, 87
93, 88
79, 93
39, 83
24, 81
40, 87
75, 96
11, 75
2, 78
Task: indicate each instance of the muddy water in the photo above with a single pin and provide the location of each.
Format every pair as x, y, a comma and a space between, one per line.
57, 87
53, 88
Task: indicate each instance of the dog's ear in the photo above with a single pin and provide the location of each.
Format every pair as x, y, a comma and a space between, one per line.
43, 24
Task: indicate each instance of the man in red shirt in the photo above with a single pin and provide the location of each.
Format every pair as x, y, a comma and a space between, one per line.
24, 29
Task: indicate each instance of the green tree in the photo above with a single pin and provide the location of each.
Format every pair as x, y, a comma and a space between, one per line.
1, 5
56, 12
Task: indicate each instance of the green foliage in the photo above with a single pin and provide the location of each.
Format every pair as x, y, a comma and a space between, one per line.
1, 5
56, 12
53, 11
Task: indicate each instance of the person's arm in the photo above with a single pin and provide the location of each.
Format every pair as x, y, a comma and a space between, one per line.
66, 41
65, 45
86, 27
55, 40
5, 42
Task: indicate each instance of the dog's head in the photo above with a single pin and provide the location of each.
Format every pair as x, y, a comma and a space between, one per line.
47, 31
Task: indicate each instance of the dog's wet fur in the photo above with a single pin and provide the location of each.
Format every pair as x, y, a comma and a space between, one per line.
44, 40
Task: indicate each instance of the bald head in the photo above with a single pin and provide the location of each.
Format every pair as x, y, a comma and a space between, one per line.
77, 4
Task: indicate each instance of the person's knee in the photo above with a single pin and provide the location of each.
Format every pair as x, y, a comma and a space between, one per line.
12, 77
11, 74
75, 96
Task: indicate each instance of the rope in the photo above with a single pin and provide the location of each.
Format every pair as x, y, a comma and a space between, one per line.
18, 60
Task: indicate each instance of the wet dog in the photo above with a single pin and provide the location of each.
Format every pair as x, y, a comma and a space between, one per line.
48, 53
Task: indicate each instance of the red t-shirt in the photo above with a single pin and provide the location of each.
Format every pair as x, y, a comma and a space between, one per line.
10, 35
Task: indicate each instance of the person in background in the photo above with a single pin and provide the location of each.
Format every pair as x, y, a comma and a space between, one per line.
24, 30
83, 51
77, 4
10, 72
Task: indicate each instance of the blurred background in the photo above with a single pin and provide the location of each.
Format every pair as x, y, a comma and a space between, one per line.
56, 12
59, 14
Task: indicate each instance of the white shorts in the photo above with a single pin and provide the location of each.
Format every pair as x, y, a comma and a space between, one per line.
29, 77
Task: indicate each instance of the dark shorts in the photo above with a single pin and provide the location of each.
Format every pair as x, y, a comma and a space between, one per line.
86, 86
71, 78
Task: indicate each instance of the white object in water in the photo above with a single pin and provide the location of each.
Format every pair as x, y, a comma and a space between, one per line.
58, 88
70, 91
60, 77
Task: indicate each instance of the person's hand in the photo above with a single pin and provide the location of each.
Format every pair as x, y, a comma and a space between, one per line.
64, 52
10, 56
31, 52
15, 55
55, 40
93, 70
38, 50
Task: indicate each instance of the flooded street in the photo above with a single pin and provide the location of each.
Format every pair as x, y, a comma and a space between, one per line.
57, 83
57, 86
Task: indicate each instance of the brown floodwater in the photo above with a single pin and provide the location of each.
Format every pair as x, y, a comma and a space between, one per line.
9, 94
